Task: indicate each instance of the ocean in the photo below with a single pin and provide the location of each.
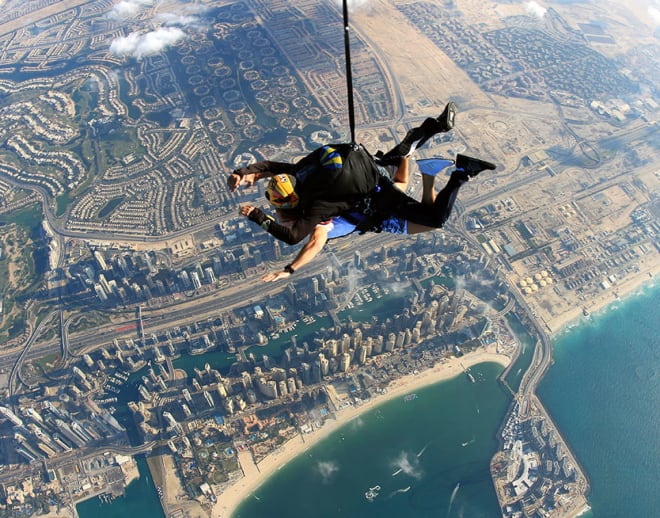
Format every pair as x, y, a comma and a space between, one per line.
140, 500
604, 394
426, 457
603, 391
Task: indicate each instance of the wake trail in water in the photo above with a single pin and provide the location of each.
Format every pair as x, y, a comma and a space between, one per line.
397, 472
396, 492
453, 497
421, 452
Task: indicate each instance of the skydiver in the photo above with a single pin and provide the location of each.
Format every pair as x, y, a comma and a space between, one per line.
391, 210
340, 180
330, 180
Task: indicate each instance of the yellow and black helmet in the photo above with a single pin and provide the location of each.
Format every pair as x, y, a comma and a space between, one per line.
281, 191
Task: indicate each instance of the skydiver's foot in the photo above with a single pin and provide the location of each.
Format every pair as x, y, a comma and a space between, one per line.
445, 121
417, 137
388, 159
471, 167
433, 166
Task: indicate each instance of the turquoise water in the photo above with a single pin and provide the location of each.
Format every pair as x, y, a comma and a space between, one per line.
140, 500
430, 456
604, 393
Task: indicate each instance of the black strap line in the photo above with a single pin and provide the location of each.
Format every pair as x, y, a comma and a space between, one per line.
349, 74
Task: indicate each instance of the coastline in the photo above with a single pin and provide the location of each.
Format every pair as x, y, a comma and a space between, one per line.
623, 289
257, 474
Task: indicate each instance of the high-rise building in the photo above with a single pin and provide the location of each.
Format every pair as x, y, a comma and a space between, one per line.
345, 343
209, 274
100, 260
197, 283
100, 293
357, 338
246, 380
185, 279
306, 373
378, 345
390, 343
324, 365
345, 362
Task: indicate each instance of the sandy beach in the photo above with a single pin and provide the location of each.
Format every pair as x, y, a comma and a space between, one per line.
255, 475
620, 290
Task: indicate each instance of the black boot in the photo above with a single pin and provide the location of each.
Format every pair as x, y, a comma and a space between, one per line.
472, 166
443, 123
416, 137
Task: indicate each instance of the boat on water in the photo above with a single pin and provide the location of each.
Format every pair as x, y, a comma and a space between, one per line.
372, 493
410, 397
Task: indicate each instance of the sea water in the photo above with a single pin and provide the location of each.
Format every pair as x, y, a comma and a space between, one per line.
427, 456
140, 500
604, 394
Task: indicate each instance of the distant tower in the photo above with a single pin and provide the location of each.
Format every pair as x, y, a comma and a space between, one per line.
100, 260
391, 341
345, 362
345, 343
197, 283
100, 293
324, 364
209, 274
357, 338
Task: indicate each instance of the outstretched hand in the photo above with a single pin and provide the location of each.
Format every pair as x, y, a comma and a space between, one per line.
235, 179
246, 210
275, 276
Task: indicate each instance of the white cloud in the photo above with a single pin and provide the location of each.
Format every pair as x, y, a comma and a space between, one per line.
327, 469
129, 8
140, 45
534, 9
353, 5
179, 20
654, 12
408, 466
171, 26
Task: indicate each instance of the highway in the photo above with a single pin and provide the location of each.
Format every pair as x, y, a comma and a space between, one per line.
157, 320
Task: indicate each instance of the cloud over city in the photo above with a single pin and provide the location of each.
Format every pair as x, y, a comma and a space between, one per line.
171, 26
535, 9
129, 8
140, 45
353, 5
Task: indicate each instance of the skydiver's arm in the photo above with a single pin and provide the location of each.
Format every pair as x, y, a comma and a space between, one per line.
250, 174
291, 235
308, 252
